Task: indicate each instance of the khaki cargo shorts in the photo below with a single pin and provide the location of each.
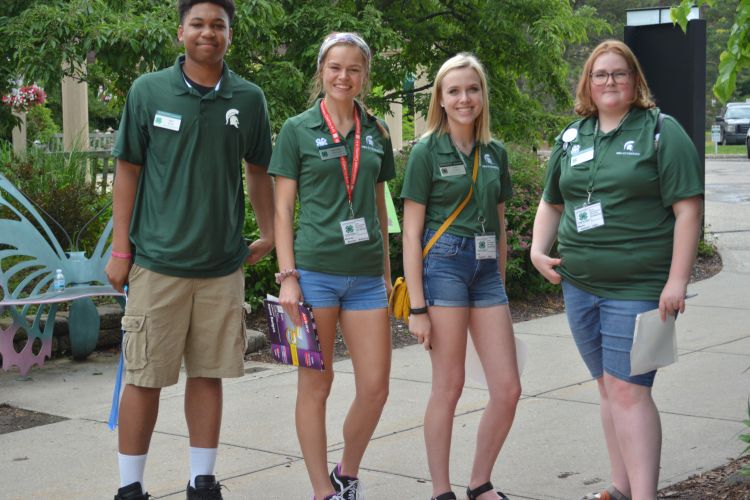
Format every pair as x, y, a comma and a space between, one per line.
169, 318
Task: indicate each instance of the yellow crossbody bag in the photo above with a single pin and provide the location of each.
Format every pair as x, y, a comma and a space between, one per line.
398, 302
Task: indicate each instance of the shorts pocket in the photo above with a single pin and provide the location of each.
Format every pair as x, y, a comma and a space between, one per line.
136, 344
444, 249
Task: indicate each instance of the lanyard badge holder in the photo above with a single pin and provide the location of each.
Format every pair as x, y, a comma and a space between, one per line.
590, 215
354, 229
485, 244
114, 412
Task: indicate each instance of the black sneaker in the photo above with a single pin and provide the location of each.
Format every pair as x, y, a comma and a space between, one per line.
133, 491
206, 488
348, 488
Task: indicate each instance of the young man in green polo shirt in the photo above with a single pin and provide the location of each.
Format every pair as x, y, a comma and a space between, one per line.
178, 218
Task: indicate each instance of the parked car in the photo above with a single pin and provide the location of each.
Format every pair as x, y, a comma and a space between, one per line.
734, 122
747, 143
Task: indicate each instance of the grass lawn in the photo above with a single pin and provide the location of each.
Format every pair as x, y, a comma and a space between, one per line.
734, 149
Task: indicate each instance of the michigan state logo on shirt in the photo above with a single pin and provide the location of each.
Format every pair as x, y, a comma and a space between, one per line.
628, 149
370, 145
232, 118
488, 163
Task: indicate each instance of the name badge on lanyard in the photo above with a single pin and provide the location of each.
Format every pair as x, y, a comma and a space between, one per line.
354, 229
589, 216
485, 246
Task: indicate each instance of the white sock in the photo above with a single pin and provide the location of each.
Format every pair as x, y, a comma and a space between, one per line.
202, 462
131, 469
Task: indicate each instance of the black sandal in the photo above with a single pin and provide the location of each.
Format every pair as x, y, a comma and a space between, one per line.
445, 496
484, 488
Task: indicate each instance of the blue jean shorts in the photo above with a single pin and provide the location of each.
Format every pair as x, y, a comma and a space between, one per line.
355, 293
603, 332
453, 277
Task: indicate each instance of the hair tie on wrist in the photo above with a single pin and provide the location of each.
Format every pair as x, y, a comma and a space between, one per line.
122, 255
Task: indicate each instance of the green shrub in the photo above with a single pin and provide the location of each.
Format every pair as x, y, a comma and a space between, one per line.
527, 173
707, 244
56, 184
259, 278
395, 240
39, 125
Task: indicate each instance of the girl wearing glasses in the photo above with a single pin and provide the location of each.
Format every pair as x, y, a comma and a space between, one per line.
335, 157
623, 198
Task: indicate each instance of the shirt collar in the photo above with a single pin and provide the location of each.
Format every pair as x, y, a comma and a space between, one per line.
181, 86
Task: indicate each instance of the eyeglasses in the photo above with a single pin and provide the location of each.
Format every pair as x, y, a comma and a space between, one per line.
601, 77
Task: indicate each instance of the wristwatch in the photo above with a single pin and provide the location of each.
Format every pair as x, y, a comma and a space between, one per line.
418, 310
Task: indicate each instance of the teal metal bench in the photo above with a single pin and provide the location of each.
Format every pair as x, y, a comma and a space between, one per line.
29, 256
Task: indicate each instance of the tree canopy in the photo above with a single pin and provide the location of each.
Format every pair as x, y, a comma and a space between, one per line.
521, 42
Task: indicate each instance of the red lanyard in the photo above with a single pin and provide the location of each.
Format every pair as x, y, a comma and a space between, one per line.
357, 143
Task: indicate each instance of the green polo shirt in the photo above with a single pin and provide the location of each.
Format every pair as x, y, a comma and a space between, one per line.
438, 176
323, 203
630, 255
190, 205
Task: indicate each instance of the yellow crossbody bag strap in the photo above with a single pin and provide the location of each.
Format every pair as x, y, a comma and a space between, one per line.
457, 211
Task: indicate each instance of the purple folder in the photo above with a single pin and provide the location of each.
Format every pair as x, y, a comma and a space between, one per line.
291, 344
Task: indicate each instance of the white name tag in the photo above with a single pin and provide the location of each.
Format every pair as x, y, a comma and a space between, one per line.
589, 217
485, 246
451, 170
168, 121
354, 230
582, 157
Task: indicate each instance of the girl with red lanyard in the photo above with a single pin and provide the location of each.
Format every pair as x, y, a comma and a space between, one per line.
335, 157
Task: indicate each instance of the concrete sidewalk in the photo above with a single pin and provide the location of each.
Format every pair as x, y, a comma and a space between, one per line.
554, 451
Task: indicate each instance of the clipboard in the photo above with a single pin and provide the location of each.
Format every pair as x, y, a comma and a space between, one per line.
654, 342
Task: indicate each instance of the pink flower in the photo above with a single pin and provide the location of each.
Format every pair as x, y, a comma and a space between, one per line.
25, 97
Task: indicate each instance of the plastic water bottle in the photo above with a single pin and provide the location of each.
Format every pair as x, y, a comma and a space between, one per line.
58, 284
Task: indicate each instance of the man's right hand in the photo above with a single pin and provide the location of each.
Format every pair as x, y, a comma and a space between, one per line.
117, 271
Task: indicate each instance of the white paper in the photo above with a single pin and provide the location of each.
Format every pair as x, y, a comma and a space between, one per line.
473, 367
654, 343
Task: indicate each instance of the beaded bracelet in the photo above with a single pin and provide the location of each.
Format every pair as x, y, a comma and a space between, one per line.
122, 255
285, 274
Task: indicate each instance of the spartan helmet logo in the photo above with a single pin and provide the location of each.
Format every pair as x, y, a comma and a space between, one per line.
369, 141
628, 146
232, 118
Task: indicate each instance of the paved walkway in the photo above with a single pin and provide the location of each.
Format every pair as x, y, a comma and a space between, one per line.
555, 449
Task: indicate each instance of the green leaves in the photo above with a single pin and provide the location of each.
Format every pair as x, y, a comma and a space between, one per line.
275, 44
737, 54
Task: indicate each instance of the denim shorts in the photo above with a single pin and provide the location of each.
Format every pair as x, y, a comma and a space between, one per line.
355, 293
603, 332
453, 277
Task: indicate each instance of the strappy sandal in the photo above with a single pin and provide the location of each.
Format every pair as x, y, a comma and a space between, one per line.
610, 493
484, 488
445, 496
